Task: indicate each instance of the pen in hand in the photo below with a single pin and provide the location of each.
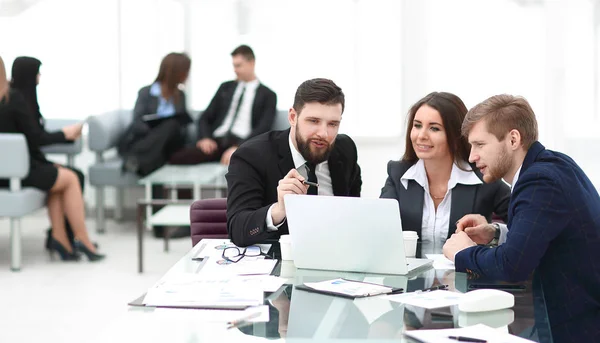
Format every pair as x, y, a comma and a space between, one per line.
310, 183
467, 339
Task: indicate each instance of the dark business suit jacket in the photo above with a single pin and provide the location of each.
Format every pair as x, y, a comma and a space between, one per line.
15, 118
254, 173
263, 110
147, 103
483, 199
554, 231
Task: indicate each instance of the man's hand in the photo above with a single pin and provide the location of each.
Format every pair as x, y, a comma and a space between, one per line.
72, 132
207, 145
477, 227
457, 242
290, 184
226, 157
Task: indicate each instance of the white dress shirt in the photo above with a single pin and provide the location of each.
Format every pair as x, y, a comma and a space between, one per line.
434, 227
515, 178
243, 123
323, 179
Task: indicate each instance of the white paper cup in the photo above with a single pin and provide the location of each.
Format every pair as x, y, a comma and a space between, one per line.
285, 243
410, 243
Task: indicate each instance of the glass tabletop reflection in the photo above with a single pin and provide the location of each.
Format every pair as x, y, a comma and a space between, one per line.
297, 314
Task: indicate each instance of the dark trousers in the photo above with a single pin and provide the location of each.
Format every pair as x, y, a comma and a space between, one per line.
193, 155
153, 150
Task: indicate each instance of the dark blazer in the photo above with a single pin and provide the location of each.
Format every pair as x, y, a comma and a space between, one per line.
46, 138
254, 173
148, 104
263, 110
483, 199
15, 118
554, 230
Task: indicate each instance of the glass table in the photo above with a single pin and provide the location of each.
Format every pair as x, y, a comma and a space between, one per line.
175, 212
196, 177
299, 316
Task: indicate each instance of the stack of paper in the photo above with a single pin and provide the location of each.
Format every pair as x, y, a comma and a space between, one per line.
198, 291
480, 332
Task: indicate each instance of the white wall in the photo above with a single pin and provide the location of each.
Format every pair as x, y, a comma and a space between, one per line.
385, 54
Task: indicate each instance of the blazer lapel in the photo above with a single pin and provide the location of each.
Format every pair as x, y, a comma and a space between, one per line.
286, 163
463, 201
153, 104
257, 100
411, 207
339, 181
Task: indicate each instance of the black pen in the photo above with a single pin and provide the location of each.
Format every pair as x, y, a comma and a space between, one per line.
467, 339
443, 287
314, 184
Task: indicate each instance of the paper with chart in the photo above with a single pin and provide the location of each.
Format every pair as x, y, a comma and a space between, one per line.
192, 290
429, 300
478, 331
440, 261
213, 263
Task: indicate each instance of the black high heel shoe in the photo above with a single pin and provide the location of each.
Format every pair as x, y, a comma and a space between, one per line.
49, 237
92, 256
65, 255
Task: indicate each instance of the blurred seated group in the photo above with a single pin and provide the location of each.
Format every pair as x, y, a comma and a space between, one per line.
20, 113
240, 109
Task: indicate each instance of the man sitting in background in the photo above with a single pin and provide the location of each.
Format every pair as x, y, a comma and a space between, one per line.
240, 109
553, 219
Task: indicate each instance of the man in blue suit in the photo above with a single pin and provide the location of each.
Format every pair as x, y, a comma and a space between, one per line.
553, 219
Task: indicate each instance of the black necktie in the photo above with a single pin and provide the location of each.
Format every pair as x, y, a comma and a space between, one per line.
237, 112
312, 177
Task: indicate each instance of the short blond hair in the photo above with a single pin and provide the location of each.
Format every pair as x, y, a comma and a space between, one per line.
503, 113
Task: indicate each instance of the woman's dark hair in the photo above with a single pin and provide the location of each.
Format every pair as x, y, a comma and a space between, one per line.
24, 79
174, 69
453, 111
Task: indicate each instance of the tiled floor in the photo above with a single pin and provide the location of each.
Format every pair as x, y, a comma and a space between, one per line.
54, 301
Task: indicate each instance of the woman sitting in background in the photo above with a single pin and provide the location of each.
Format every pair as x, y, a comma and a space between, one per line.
25, 78
62, 184
434, 183
160, 118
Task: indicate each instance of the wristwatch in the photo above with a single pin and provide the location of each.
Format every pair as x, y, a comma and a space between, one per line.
494, 241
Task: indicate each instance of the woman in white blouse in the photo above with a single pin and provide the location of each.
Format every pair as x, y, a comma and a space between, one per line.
433, 182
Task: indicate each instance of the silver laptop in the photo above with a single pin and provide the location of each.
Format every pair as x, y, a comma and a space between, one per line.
348, 234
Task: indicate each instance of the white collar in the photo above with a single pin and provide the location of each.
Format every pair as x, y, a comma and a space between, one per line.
250, 84
299, 160
515, 178
417, 172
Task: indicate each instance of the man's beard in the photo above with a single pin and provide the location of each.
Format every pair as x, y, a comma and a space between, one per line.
308, 154
501, 167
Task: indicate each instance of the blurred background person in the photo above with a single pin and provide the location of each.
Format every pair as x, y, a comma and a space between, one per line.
25, 79
159, 126
241, 109
61, 184
160, 118
433, 182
